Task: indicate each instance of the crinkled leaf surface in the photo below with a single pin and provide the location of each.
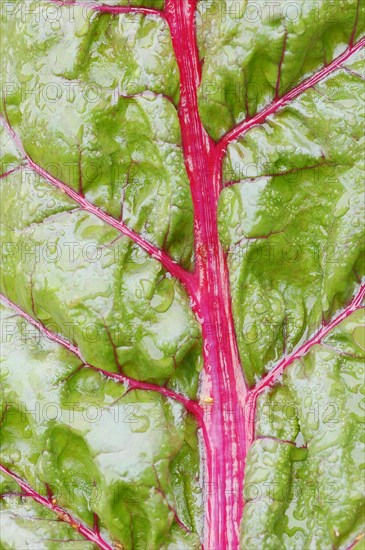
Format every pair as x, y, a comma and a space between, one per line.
293, 221
311, 496
182, 252
245, 44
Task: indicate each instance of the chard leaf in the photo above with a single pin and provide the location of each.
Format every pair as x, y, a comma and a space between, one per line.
182, 304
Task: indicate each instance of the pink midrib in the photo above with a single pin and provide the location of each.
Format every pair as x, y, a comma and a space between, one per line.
224, 437
199, 151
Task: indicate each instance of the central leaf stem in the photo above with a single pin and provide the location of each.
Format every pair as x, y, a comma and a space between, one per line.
224, 428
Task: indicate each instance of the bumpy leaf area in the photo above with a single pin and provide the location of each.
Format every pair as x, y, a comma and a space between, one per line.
182, 237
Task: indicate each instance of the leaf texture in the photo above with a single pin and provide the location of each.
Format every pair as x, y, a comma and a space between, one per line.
182, 238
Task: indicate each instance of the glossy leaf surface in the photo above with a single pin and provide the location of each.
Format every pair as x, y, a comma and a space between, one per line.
182, 252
